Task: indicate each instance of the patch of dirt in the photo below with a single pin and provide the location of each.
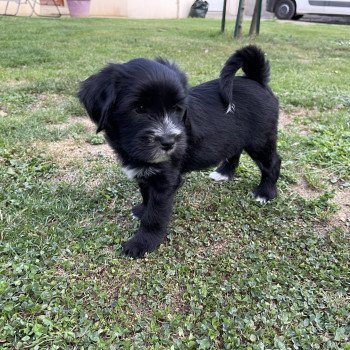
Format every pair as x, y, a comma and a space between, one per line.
304, 190
342, 216
16, 83
342, 199
177, 303
286, 119
84, 120
219, 248
45, 99
3, 113
67, 152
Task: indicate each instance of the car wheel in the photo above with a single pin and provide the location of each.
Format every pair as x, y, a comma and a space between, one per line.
285, 9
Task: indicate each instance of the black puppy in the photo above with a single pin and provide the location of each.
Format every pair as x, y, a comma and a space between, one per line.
160, 129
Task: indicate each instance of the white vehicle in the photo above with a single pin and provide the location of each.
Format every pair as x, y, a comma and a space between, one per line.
288, 9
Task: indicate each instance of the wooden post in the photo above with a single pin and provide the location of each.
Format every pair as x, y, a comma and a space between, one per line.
255, 25
259, 17
223, 19
239, 19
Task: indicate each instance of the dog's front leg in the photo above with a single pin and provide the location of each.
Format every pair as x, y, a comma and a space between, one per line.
155, 218
138, 210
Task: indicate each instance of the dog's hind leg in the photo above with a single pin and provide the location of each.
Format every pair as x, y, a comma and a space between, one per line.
269, 163
226, 170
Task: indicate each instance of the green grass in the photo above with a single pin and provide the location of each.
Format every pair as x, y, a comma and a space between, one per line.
232, 274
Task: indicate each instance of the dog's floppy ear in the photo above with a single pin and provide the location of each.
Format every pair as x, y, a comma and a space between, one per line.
98, 94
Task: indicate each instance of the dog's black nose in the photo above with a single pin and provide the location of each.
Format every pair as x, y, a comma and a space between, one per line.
167, 142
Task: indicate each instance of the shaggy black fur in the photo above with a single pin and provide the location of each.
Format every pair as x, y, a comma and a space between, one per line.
160, 129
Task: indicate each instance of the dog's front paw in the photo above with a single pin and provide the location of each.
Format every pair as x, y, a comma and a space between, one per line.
216, 176
137, 211
264, 194
134, 249
137, 246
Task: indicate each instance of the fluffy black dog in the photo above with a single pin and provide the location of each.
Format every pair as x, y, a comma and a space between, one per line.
160, 129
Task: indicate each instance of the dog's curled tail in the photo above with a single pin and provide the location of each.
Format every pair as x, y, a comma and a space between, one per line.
253, 63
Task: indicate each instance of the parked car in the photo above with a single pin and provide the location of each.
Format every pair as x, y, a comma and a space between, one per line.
294, 9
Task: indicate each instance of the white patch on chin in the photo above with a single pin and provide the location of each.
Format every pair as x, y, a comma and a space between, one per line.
134, 173
218, 177
162, 157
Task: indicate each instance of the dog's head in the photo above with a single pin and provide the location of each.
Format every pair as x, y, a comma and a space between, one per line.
140, 105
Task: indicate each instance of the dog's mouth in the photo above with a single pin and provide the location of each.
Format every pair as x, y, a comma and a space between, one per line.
160, 142
161, 146
162, 155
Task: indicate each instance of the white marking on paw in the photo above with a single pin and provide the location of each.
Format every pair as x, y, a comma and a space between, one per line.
261, 200
218, 177
134, 217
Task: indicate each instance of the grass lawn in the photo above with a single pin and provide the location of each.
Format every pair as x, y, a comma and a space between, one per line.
233, 274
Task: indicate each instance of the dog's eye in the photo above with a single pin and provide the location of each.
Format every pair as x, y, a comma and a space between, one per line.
140, 109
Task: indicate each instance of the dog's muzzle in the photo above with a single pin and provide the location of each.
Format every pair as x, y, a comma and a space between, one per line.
167, 142
166, 135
